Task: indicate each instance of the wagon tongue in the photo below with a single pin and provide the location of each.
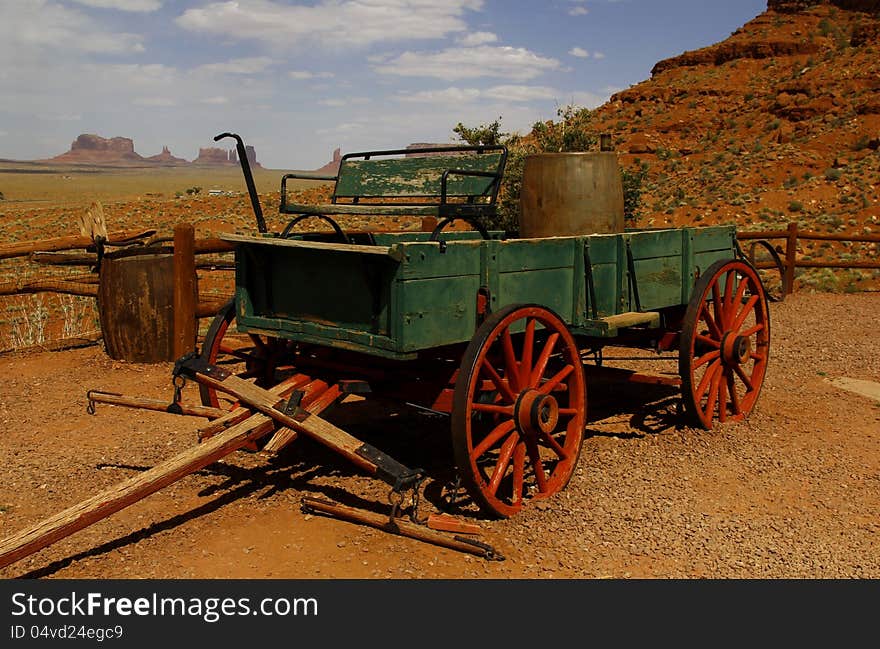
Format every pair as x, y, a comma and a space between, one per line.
287, 413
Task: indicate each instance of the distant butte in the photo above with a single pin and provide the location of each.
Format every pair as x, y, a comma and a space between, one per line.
119, 151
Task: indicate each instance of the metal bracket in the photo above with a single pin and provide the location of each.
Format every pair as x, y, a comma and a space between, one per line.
389, 470
291, 406
191, 364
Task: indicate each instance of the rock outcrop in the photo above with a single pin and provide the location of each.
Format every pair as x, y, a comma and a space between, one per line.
166, 158
796, 6
332, 167
94, 149
212, 156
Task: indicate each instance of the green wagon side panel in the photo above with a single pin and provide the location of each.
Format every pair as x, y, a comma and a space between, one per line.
416, 176
657, 259
604, 252
536, 254
710, 245
436, 312
426, 260
551, 288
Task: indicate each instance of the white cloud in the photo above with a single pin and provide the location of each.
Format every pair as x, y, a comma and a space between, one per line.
249, 65
123, 5
350, 101
216, 101
30, 28
302, 75
453, 95
515, 63
579, 52
3, 133
598, 55
446, 96
62, 117
520, 93
578, 11
477, 38
330, 22
154, 101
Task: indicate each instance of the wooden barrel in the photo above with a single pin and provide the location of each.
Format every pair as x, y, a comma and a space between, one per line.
566, 194
136, 305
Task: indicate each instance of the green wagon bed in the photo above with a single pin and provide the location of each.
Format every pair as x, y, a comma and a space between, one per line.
404, 294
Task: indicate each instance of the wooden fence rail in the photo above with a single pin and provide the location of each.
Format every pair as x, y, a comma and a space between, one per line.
789, 261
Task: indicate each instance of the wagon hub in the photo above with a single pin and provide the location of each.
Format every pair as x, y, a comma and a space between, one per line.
735, 350
536, 413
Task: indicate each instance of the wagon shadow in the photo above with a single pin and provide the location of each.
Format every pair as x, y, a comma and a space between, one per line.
414, 438
631, 410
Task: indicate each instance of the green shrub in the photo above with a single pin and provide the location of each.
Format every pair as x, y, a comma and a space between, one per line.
833, 174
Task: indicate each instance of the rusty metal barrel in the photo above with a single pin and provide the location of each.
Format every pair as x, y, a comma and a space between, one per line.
136, 305
567, 194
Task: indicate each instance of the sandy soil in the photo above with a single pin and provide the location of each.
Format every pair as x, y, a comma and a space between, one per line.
793, 492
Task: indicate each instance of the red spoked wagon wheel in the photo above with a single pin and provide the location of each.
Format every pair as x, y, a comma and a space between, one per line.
725, 344
519, 409
249, 356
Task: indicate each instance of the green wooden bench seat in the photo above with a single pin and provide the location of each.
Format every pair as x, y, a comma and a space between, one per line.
447, 183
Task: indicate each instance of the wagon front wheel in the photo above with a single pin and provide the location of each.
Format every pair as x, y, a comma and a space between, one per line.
249, 356
519, 409
725, 344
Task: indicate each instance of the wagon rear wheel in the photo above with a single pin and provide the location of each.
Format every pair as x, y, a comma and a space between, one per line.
248, 356
519, 409
725, 344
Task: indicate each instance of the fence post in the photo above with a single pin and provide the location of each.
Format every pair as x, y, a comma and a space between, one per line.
790, 259
185, 289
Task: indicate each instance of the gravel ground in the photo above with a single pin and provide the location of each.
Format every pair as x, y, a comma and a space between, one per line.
794, 492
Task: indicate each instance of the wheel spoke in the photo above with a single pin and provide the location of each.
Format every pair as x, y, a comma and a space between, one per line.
752, 330
705, 358
713, 393
734, 397
711, 342
741, 317
535, 455
519, 466
716, 305
722, 396
525, 366
740, 291
492, 438
503, 463
707, 377
543, 359
556, 446
500, 383
728, 295
491, 407
709, 320
511, 367
743, 377
558, 378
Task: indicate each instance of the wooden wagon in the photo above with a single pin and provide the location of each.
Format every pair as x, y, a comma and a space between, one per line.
493, 332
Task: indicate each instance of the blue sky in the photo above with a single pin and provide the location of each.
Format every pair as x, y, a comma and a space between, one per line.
299, 78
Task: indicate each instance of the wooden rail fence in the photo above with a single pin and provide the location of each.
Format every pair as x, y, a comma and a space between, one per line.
786, 259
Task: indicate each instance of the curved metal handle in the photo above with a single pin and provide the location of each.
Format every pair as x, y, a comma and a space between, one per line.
248, 178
